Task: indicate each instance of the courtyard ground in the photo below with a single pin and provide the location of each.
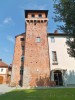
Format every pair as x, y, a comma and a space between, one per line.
5, 88
40, 94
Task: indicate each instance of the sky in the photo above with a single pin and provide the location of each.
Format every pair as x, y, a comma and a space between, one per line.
12, 22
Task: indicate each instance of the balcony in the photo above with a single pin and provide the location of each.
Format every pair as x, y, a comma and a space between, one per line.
36, 20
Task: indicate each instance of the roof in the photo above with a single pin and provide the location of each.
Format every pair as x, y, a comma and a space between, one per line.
58, 34
2, 64
37, 11
19, 34
49, 34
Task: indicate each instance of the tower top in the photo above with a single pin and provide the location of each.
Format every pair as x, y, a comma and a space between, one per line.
35, 11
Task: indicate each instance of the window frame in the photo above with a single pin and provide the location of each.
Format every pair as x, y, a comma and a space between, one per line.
54, 58
52, 40
38, 39
40, 15
21, 70
22, 39
1, 69
22, 47
33, 15
22, 58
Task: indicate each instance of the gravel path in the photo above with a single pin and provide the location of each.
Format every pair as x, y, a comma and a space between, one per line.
5, 88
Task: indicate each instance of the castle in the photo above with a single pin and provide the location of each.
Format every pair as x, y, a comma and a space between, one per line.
41, 58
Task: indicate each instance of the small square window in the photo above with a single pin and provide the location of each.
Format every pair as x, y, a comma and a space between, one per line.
52, 39
40, 15
21, 70
38, 39
22, 58
22, 47
33, 15
2, 70
22, 39
35, 22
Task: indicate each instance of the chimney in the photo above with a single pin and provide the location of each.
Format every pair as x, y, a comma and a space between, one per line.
10, 65
0, 59
56, 32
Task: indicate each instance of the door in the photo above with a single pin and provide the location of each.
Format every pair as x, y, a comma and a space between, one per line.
1, 79
58, 78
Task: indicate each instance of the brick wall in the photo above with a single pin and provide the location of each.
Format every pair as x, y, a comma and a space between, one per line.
15, 76
36, 58
36, 63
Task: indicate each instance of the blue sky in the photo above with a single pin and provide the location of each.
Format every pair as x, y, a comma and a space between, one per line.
12, 22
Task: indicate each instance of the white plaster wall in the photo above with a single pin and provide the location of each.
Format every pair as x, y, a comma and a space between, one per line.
64, 60
4, 71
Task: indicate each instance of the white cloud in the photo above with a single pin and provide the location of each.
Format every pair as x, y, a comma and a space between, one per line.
7, 20
10, 38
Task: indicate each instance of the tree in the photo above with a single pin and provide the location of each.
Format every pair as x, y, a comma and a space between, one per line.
65, 12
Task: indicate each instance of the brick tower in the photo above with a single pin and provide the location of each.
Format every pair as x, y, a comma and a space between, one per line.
36, 62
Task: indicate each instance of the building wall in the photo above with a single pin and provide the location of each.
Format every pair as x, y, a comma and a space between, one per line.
4, 71
18, 52
65, 62
4, 75
36, 63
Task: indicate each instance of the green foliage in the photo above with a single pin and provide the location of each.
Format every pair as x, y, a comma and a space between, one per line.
65, 12
40, 94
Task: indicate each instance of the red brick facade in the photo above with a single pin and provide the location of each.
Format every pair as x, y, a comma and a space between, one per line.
36, 68
15, 76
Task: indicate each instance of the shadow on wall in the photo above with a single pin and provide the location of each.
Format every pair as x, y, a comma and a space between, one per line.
44, 81
22, 60
69, 78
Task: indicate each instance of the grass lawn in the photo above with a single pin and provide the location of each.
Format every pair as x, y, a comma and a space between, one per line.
40, 94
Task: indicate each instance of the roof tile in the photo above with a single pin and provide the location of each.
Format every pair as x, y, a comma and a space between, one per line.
2, 64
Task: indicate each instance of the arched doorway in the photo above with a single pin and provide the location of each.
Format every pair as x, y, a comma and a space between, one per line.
58, 77
1, 79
